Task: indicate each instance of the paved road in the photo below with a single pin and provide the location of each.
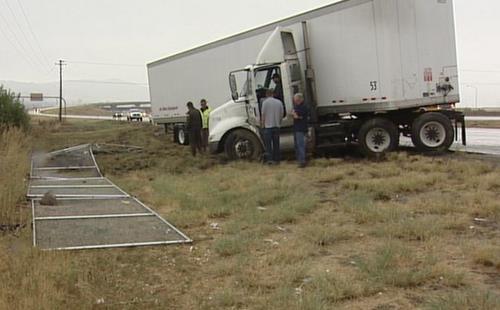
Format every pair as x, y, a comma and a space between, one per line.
481, 140
106, 118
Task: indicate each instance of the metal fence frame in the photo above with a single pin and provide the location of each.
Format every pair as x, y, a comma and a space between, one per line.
80, 197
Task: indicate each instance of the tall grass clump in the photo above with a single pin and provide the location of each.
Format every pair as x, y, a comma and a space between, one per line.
12, 112
14, 166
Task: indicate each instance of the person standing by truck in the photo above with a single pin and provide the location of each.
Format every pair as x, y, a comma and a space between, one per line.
194, 125
300, 115
278, 89
272, 114
205, 114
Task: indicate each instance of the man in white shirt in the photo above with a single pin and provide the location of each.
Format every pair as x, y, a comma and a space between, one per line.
272, 115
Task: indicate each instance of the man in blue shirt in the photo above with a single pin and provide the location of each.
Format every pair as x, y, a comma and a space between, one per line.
300, 128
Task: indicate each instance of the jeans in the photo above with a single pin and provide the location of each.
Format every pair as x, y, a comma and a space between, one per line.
272, 144
300, 146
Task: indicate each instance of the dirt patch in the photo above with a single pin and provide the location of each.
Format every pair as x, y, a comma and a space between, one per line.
13, 228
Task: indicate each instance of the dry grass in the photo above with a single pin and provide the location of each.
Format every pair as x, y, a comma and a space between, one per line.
343, 233
465, 300
14, 166
87, 110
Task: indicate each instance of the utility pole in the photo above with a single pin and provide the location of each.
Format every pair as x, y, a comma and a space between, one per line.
60, 64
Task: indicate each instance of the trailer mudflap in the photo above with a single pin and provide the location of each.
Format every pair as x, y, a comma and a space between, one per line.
459, 119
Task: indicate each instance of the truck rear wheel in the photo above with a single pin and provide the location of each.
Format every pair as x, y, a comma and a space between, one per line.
180, 135
242, 144
432, 133
378, 136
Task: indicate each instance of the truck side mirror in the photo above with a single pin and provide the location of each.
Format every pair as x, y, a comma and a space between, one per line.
234, 87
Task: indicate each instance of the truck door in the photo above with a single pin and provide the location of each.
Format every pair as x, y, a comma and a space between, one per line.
292, 77
291, 74
278, 67
240, 83
265, 78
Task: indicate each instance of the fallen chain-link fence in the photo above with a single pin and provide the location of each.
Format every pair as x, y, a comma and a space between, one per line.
75, 207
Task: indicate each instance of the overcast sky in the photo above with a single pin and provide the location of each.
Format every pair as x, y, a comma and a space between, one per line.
132, 33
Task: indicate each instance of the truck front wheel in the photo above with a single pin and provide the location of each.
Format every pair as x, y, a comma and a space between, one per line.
242, 144
378, 136
432, 133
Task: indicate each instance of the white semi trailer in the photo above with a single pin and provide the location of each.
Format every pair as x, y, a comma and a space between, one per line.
372, 70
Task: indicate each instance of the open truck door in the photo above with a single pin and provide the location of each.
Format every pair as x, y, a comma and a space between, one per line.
278, 57
240, 83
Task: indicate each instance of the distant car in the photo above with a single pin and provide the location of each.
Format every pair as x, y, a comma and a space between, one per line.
134, 115
117, 115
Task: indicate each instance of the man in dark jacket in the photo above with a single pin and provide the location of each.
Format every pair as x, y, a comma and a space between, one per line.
278, 89
194, 125
300, 128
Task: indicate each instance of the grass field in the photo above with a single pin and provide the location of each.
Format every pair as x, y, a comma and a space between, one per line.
409, 232
84, 110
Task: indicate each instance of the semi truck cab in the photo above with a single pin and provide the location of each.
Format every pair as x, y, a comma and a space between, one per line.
235, 126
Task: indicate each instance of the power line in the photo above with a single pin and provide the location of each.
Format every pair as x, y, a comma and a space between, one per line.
480, 83
18, 49
107, 82
481, 71
104, 64
22, 48
31, 31
25, 36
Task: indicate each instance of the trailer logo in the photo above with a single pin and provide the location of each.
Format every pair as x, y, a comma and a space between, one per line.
428, 75
162, 109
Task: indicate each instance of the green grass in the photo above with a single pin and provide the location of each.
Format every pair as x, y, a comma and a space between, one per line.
341, 234
396, 264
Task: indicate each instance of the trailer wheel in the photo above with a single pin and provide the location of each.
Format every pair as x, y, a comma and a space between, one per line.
432, 133
378, 136
242, 145
180, 135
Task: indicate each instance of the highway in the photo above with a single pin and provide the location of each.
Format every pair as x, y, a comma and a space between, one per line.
481, 140
104, 118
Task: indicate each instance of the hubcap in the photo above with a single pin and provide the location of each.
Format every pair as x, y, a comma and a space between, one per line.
181, 136
432, 134
378, 140
243, 148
